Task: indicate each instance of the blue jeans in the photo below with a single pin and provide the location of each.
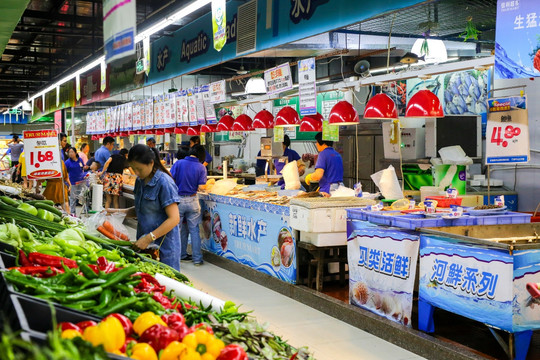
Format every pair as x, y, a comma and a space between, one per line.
184, 238
190, 209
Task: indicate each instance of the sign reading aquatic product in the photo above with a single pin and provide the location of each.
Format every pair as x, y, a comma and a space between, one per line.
382, 268
507, 132
278, 79
307, 88
42, 154
517, 39
119, 28
252, 233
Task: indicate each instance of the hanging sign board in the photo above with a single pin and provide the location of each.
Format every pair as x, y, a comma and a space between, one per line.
217, 92
42, 154
119, 27
507, 132
279, 133
278, 79
192, 107
148, 113
199, 103
330, 132
209, 111
307, 89
219, 24
182, 118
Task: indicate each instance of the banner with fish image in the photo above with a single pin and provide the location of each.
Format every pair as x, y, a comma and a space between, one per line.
382, 268
252, 233
460, 93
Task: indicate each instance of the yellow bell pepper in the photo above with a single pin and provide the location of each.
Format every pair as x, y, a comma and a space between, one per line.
143, 351
146, 320
108, 333
70, 334
174, 351
201, 345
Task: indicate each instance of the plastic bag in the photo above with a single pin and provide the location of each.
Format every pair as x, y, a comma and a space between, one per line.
291, 176
454, 155
342, 191
108, 225
223, 186
387, 181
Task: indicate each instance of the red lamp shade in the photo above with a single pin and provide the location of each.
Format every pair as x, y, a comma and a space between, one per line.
312, 123
209, 128
225, 123
179, 130
381, 107
424, 104
95, 137
343, 113
287, 117
243, 123
149, 132
263, 120
193, 130
169, 130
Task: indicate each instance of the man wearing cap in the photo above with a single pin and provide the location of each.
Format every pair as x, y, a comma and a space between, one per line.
16, 147
196, 140
151, 142
104, 152
329, 167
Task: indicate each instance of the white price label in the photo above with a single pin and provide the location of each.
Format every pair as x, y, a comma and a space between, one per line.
42, 154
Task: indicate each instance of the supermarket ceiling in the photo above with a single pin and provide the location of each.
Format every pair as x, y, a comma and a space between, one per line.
52, 36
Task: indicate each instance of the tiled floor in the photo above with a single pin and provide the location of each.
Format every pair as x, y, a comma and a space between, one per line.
327, 338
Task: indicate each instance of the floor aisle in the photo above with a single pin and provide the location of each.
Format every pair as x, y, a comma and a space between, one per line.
327, 338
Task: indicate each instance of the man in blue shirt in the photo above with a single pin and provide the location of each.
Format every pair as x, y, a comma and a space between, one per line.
196, 140
190, 176
329, 167
104, 152
289, 153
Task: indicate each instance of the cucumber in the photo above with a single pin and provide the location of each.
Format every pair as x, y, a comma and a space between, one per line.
10, 201
41, 205
46, 202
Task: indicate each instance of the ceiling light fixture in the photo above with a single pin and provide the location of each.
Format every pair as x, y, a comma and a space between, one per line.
255, 85
243, 123
193, 130
225, 123
343, 113
287, 117
263, 120
381, 107
424, 104
311, 123
209, 128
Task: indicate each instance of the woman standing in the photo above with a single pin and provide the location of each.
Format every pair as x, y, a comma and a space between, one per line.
112, 180
75, 169
156, 205
83, 154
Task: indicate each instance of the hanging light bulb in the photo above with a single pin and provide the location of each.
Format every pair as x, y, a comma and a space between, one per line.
343, 113
225, 123
381, 107
424, 104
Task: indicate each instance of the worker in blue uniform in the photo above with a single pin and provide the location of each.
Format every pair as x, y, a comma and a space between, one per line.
329, 167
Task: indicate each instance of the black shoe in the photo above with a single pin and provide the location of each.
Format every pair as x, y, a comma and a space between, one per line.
198, 263
187, 258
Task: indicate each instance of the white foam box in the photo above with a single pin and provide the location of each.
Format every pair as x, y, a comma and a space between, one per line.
324, 239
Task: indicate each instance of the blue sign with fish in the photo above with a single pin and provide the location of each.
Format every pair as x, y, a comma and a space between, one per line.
517, 39
481, 282
252, 233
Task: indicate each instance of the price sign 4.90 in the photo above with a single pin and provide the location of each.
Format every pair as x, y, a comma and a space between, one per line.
501, 139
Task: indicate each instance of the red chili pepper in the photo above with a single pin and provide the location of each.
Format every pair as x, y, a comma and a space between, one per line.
174, 317
94, 267
23, 259
163, 300
232, 352
84, 324
68, 326
51, 260
159, 336
126, 323
38, 270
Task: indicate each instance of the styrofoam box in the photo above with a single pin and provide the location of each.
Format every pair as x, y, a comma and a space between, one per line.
318, 220
324, 239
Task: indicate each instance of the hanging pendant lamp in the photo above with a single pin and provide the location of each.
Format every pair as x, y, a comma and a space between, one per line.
243, 123
263, 120
193, 130
381, 107
225, 123
209, 128
343, 113
180, 130
424, 104
311, 123
287, 117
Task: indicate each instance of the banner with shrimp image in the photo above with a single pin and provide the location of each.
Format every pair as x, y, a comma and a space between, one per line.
382, 268
252, 233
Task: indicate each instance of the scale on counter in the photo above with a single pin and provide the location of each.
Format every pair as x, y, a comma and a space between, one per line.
270, 151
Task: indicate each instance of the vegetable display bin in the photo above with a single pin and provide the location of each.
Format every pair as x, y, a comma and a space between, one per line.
34, 315
486, 273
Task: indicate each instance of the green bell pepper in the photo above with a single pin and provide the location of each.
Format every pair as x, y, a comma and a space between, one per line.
45, 215
28, 208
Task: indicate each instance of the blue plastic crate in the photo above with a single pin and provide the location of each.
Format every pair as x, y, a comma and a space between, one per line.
508, 218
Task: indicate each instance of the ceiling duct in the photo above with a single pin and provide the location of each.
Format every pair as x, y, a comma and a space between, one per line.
246, 33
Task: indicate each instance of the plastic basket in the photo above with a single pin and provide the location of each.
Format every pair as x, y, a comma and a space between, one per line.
508, 218
444, 202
